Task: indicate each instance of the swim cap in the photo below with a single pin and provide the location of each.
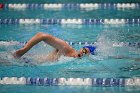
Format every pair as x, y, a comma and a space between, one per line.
91, 49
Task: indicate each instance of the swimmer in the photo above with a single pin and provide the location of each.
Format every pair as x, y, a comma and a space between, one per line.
61, 47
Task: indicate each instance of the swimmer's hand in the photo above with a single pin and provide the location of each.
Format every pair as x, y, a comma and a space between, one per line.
14, 55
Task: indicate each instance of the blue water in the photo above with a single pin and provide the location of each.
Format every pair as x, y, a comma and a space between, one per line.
85, 67
97, 67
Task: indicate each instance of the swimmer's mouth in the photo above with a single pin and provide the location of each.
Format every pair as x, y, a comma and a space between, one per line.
79, 56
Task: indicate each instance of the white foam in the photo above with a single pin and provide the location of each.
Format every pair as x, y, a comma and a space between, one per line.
6, 43
95, 57
104, 47
65, 59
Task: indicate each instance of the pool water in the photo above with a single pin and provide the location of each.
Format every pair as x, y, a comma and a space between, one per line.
71, 13
93, 66
103, 65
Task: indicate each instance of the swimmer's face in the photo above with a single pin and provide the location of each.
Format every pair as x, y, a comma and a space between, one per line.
83, 51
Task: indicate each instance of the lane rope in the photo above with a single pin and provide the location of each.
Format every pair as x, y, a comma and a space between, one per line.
119, 44
70, 21
73, 6
71, 81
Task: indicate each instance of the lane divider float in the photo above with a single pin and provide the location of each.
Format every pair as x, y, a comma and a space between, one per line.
71, 81
119, 44
70, 21
73, 6
1, 6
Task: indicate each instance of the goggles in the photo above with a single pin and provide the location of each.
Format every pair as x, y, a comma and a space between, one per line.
84, 50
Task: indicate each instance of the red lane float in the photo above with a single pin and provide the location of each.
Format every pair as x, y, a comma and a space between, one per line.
1, 6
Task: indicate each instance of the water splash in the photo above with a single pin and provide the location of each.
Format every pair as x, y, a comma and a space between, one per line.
104, 47
36, 56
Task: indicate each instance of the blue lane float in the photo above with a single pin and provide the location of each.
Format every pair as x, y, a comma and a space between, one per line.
71, 81
50, 21
74, 6
70, 21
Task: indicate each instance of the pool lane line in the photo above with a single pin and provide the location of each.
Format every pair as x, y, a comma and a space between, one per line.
60, 6
135, 81
70, 21
117, 44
